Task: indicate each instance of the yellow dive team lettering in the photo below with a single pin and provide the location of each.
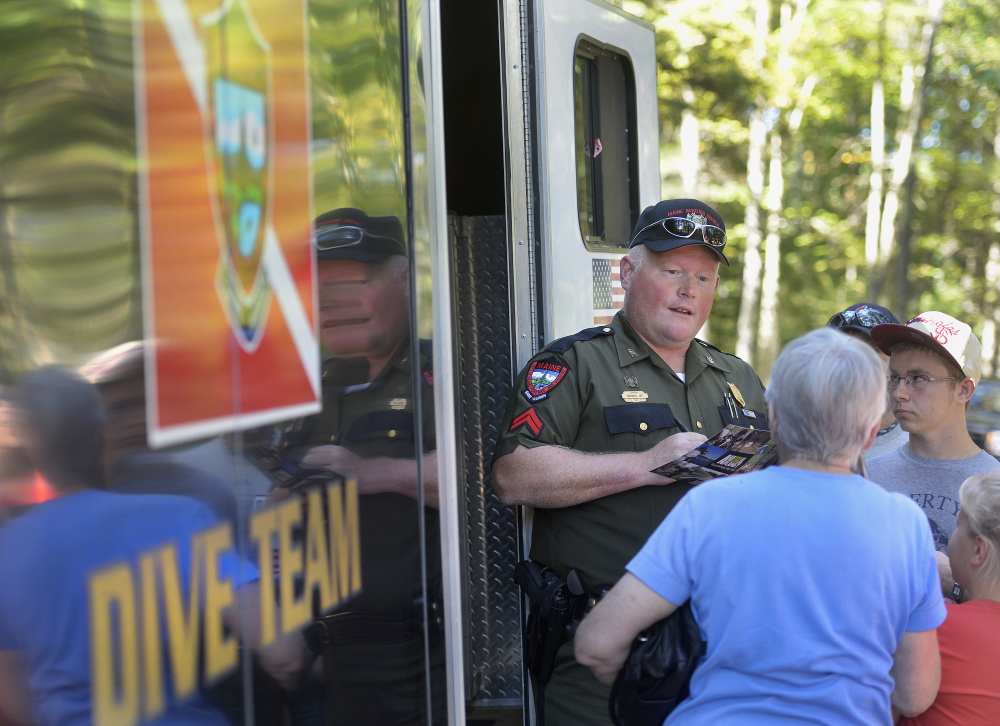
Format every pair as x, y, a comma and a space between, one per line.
145, 617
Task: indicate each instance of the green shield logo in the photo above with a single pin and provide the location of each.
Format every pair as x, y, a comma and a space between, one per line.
238, 133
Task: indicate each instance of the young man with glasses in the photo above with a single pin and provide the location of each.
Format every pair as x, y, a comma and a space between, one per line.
934, 366
858, 321
593, 413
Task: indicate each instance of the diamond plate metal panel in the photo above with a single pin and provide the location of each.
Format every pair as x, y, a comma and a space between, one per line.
482, 308
602, 284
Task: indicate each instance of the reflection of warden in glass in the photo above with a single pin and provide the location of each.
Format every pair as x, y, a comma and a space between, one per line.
617, 402
373, 647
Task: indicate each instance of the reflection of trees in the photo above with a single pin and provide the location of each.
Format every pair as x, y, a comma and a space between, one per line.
357, 106
68, 234
69, 282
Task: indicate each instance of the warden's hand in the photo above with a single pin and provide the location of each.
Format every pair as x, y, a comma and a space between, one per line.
336, 458
669, 449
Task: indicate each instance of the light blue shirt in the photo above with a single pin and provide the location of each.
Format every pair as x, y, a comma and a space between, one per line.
803, 585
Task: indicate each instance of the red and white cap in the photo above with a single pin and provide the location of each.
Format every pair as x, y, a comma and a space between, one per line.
941, 333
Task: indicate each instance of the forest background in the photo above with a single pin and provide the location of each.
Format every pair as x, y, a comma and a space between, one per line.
853, 146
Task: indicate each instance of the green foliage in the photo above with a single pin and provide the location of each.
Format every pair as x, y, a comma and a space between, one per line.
955, 214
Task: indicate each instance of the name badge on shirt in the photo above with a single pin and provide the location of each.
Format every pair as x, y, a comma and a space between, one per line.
634, 396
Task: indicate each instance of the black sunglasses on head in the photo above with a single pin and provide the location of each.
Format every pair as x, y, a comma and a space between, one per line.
866, 317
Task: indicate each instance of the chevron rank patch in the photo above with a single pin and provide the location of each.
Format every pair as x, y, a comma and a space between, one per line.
530, 419
542, 377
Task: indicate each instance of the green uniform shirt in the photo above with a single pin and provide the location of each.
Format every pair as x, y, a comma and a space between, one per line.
603, 390
374, 420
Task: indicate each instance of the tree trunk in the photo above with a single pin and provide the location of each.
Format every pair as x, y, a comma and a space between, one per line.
690, 137
912, 107
877, 177
751, 259
991, 313
991, 298
746, 323
768, 342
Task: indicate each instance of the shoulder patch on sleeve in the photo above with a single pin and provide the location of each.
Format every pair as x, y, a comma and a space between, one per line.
564, 344
530, 419
542, 377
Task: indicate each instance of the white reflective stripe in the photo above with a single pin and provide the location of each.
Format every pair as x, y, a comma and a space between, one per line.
280, 277
453, 574
189, 49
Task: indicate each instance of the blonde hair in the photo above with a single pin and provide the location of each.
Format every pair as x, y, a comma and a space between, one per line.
979, 498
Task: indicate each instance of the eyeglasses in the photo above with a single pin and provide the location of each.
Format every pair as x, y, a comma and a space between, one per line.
343, 236
916, 383
684, 227
867, 317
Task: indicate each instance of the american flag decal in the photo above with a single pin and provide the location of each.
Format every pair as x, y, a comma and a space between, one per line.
608, 293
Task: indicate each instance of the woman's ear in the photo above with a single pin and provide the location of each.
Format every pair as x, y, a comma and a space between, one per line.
980, 551
871, 436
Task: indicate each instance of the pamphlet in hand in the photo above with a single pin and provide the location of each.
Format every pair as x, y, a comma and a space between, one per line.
734, 450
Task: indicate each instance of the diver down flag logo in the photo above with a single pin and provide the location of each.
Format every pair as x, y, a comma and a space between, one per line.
530, 419
229, 294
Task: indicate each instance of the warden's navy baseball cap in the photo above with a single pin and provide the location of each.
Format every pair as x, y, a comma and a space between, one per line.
350, 234
675, 223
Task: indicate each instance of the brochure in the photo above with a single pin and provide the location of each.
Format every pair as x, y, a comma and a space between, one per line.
734, 450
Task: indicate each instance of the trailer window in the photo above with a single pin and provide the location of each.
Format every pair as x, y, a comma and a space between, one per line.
606, 170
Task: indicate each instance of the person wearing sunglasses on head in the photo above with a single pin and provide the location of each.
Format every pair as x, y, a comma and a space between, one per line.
858, 321
372, 647
593, 413
935, 362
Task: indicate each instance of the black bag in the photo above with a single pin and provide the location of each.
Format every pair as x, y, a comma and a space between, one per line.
656, 674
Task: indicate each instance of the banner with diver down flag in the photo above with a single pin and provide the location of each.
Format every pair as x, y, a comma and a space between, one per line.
228, 280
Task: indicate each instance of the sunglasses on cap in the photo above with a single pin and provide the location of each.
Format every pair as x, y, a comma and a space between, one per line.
866, 317
344, 236
684, 228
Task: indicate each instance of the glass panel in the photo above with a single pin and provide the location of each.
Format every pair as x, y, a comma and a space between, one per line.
423, 325
368, 447
98, 570
606, 170
349, 547
587, 177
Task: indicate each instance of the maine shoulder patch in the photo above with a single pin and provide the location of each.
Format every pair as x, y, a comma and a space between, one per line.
542, 377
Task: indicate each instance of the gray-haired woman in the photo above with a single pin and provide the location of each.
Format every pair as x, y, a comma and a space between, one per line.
816, 591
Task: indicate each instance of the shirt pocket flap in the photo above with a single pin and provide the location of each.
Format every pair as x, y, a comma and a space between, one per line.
639, 418
381, 425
